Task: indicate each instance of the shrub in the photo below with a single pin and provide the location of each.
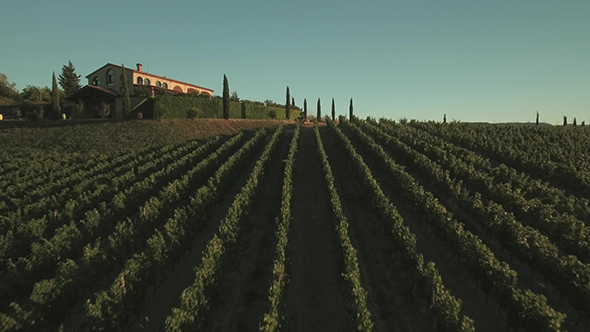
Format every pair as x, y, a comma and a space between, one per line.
192, 113
104, 111
160, 111
272, 114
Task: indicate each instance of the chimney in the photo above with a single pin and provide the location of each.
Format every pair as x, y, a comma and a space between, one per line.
139, 67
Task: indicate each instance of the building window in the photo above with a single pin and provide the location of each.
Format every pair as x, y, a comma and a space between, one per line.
146, 81
110, 77
165, 85
158, 84
96, 81
140, 81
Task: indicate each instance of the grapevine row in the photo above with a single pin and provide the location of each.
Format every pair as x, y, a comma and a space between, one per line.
272, 320
525, 308
194, 299
352, 275
429, 286
48, 304
570, 276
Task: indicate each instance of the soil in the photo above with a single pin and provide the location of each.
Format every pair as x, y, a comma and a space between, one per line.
242, 293
390, 302
485, 314
314, 299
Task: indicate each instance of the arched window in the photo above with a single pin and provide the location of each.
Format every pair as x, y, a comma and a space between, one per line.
158, 84
165, 85
96, 81
146, 81
110, 77
140, 81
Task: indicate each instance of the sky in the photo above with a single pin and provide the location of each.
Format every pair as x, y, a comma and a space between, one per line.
473, 60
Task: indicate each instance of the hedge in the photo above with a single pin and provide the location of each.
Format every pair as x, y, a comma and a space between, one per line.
177, 107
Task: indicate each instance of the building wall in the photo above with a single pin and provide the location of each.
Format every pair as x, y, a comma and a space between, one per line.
102, 76
132, 77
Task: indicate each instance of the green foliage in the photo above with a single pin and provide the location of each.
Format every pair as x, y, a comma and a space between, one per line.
7, 89
271, 319
272, 114
192, 113
68, 79
350, 111
126, 94
55, 102
319, 110
176, 106
288, 105
333, 110
36, 94
104, 111
305, 107
226, 98
243, 107
234, 96
352, 275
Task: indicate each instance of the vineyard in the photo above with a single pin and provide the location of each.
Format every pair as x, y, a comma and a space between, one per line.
357, 225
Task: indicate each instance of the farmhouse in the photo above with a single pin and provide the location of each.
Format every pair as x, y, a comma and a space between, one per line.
105, 86
109, 77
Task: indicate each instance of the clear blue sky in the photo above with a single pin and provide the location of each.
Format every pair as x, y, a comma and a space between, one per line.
493, 61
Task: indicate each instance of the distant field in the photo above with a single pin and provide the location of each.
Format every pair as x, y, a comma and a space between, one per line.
89, 138
357, 226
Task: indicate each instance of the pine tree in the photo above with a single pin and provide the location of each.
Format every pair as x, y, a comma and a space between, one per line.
333, 110
319, 115
243, 110
288, 106
68, 79
55, 98
305, 108
225, 98
125, 91
350, 112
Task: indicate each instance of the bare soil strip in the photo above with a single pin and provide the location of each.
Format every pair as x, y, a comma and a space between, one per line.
241, 298
314, 299
390, 302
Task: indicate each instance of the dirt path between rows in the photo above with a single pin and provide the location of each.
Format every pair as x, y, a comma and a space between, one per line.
159, 304
453, 275
314, 299
389, 299
242, 293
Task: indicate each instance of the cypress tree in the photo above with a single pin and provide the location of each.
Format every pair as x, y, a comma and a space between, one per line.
55, 97
288, 106
350, 113
225, 98
68, 79
319, 115
305, 108
575, 122
537, 121
293, 101
126, 97
565, 120
445, 118
243, 110
333, 110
